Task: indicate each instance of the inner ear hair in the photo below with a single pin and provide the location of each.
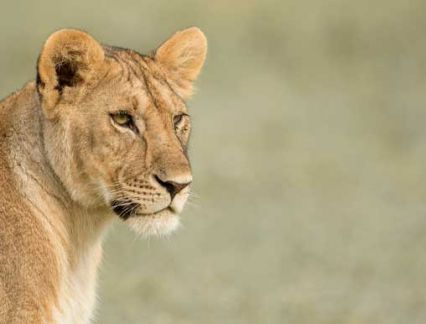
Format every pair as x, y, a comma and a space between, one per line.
67, 73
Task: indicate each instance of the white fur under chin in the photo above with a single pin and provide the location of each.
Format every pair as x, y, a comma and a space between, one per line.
161, 224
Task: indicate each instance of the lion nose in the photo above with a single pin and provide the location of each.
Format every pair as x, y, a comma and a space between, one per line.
172, 187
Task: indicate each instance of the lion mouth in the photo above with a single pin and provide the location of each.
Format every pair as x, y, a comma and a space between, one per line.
157, 213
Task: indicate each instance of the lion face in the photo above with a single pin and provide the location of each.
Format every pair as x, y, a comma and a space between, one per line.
117, 128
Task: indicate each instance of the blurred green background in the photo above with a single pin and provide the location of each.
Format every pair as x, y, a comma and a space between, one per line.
309, 156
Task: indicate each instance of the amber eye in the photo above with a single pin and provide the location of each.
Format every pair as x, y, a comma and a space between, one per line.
124, 119
121, 118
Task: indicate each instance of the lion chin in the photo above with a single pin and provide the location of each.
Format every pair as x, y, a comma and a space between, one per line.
161, 224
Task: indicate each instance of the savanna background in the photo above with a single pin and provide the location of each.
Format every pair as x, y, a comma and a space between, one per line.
309, 158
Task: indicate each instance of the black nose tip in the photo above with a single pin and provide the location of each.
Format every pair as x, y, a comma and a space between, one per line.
172, 187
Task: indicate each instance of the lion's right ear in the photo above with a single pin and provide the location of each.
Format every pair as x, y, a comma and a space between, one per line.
68, 60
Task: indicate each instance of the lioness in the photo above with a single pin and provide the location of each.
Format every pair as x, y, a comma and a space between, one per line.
101, 134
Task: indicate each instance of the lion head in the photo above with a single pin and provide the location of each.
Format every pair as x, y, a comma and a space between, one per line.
116, 126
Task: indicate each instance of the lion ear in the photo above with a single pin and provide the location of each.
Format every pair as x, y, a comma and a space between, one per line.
183, 56
69, 59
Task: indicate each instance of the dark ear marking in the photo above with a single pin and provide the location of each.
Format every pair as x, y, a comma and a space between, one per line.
67, 75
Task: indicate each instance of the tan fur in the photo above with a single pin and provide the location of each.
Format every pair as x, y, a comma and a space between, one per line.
65, 164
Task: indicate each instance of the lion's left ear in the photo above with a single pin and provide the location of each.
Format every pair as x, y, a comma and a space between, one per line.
69, 60
183, 56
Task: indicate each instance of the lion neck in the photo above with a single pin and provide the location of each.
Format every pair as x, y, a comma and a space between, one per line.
76, 230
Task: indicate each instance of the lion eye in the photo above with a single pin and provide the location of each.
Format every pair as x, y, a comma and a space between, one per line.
121, 118
124, 119
177, 119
